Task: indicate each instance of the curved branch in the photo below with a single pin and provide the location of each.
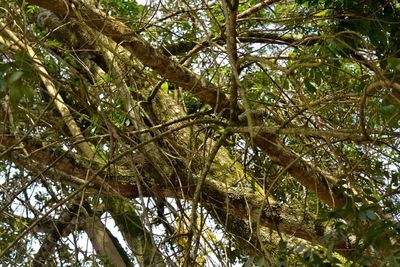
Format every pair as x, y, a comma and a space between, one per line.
64, 225
236, 201
206, 91
368, 90
59, 102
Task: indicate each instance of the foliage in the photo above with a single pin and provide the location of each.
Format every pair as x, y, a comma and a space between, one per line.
200, 133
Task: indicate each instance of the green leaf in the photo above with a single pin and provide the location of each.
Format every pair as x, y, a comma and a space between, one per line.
367, 190
310, 87
31, 9
93, 130
164, 87
301, 2
53, 44
391, 114
15, 93
15, 76
282, 245
3, 86
29, 93
307, 255
205, 107
394, 63
4, 67
261, 262
371, 214
395, 179
328, 3
362, 216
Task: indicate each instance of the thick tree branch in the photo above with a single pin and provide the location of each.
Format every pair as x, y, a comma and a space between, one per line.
302, 171
105, 244
124, 36
238, 202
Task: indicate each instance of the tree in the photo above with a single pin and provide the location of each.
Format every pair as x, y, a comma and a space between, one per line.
210, 133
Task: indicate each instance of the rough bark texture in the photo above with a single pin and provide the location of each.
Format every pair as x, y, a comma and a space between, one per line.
174, 72
261, 161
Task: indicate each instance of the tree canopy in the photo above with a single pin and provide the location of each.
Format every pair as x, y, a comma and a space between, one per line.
199, 133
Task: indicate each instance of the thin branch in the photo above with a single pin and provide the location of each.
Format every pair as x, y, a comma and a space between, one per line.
256, 8
340, 134
64, 225
198, 191
59, 102
205, 90
367, 91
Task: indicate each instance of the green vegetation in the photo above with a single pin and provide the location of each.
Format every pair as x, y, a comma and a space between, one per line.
200, 133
